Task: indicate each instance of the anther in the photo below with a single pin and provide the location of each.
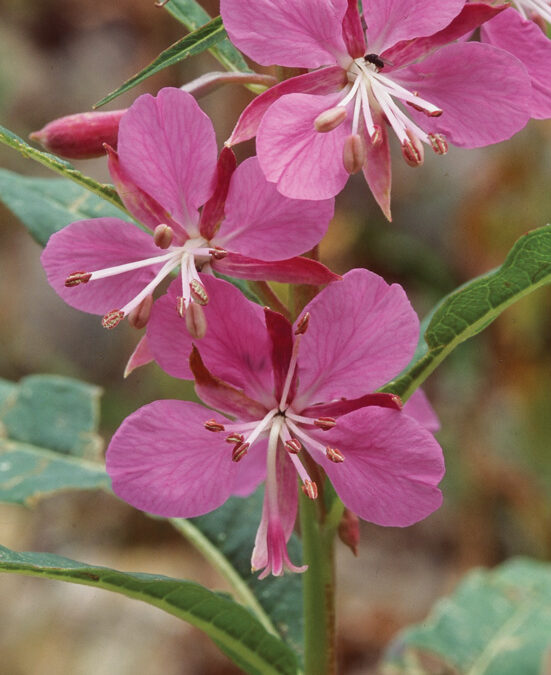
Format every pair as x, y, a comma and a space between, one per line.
429, 113
438, 144
334, 455
76, 278
196, 322
293, 446
412, 150
239, 451
310, 489
235, 438
376, 137
330, 119
198, 292
139, 316
213, 425
353, 154
112, 318
163, 236
181, 306
325, 423
302, 325
218, 253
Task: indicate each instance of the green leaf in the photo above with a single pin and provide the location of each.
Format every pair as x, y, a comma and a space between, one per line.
192, 15
46, 205
61, 166
470, 308
496, 623
231, 626
194, 43
48, 439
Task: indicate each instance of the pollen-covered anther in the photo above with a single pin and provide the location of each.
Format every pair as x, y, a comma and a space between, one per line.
325, 423
302, 325
438, 144
376, 137
353, 154
412, 150
112, 318
139, 316
181, 306
239, 451
213, 425
310, 489
198, 292
76, 278
429, 113
196, 321
218, 253
163, 236
293, 446
334, 455
330, 119
235, 438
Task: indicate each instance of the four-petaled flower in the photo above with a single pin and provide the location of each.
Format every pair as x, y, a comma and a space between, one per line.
293, 399
315, 129
166, 168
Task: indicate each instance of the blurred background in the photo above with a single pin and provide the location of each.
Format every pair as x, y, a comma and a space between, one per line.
454, 218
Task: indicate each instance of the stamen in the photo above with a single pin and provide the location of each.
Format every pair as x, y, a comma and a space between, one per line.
163, 236
239, 451
290, 373
325, 423
181, 306
198, 292
213, 425
353, 155
165, 270
76, 278
112, 318
310, 489
438, 144
218, 253
302, 325
330, 119
235, 438
334, 455
293, 445
412, 150
173, 256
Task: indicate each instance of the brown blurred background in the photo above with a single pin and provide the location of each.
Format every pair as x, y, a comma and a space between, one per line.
454, 218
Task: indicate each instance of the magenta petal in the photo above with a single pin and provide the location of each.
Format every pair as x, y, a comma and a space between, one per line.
235, 348
162, 460
141, 356
168, 148
293, 271
361, 333
525, 40
296, 33
323, 81
91, 245
391, 467
485, 93
304, 163
390, 21
419, 407
377, 169
270, 226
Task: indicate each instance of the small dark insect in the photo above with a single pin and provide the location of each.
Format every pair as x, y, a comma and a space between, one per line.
375, 59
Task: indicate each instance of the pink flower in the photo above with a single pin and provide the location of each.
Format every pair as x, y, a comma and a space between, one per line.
294, 399
315, 129
166, 168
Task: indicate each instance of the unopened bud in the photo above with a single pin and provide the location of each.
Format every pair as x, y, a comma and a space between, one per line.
213, 425
218, 253
181, 306
80, 136
163, 236
293, 446
334, 455
349, 530
112, 318
438, 144
239, 451
412, 150
310, 489
325, 423
302, 325
235, 438
76, 278
198, 292
353, 154
330, 119
196, 321
139, 316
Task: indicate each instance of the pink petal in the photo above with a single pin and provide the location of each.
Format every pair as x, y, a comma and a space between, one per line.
251, 470
235, 348
485, 93
391, 466
141, 356
362, 332
304, 163
293, 271
213, 211
525, 40
323, 81
377, 168
162, 460
297, 33
270, 226
91, 245
353, 32
419, 407
167, 147
390, 21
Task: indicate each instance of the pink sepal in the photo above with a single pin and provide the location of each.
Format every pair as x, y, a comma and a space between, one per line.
213, 210
280, 331
141, 356
345, 406
352, 31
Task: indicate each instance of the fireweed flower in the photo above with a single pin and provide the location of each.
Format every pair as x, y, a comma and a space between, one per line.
410, 76
292, 399
165, 169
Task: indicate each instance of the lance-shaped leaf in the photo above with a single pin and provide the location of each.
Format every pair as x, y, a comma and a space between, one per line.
48, 439
194, 43
496, 623
469, 309
231, 626
46, 205
60, 166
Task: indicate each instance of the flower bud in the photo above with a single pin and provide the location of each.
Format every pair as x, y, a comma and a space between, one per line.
80, 136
